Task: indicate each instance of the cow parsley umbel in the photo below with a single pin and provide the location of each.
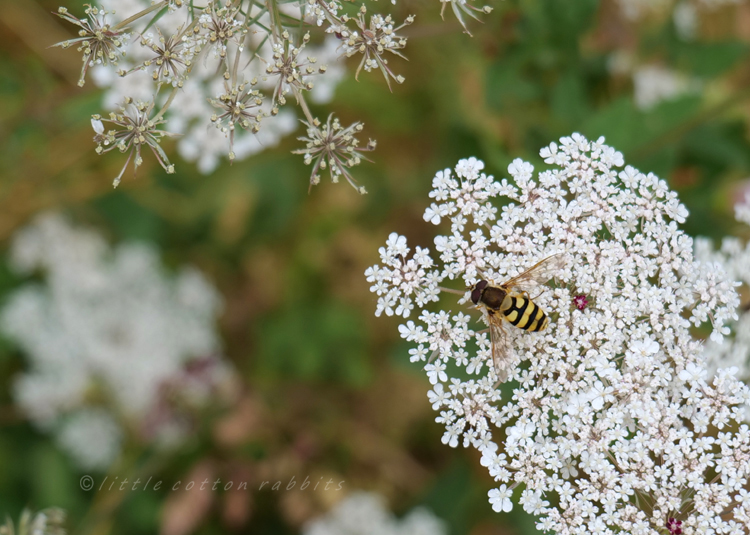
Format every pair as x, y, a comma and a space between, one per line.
118, 350
185, 52
99, 41
608, 423
134, 128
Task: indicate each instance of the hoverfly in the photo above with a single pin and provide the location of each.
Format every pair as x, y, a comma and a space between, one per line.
510, 302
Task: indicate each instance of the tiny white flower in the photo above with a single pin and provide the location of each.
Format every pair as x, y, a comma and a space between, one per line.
500, 499
692, 372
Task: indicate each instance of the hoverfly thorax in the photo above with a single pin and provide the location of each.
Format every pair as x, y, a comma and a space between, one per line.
490, 296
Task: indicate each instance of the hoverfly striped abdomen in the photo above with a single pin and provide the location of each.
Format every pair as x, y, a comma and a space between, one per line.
509, 302
525, 314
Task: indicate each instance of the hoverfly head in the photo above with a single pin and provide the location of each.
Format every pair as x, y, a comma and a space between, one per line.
476, 292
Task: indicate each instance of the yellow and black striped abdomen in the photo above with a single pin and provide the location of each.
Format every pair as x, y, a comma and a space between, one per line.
525, 314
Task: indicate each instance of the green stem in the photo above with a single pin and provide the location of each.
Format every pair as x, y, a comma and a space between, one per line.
273, 12
168, 103
303, 105
155, 7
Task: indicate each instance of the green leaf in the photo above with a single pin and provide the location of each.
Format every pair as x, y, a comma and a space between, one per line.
131, 220
568, 100
708, 60
619, 122
506, 87
314, 342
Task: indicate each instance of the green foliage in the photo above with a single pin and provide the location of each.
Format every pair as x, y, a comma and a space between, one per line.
327, 345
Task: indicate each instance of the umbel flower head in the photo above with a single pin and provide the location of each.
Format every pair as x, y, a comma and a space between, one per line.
170, 58
135, 128
334, 147
100, 42
239, 106
609, 423
117, 348
372, 41
288, 71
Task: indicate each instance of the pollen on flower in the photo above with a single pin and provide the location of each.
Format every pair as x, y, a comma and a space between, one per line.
621, 394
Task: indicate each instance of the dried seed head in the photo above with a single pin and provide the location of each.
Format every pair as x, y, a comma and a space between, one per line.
134, 128
100, 43
240, 106
373, 41
334, 147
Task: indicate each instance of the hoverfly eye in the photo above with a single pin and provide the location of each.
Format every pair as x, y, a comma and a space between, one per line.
475, 295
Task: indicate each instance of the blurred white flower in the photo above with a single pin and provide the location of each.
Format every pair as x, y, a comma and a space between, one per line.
653, 84
366, 513
50, 521
635, 9
685, 18
106, 328
742, 210
615, 390
91, 437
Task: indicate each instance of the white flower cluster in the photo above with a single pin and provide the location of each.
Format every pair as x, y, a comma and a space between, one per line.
734, 257
114, 345
365, 513
191, 109
610, 424
230, 64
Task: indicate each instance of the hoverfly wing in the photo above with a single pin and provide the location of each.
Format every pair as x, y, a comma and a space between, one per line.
501, 351
539, 273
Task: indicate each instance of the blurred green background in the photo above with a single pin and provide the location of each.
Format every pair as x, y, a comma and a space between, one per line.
327, 389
